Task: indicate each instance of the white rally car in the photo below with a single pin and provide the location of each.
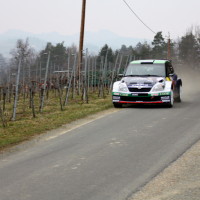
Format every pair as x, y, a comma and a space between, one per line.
147, 82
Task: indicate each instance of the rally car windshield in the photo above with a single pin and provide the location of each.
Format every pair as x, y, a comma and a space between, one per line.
145, 70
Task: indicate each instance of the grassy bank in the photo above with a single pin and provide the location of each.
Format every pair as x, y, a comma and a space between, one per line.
26, 127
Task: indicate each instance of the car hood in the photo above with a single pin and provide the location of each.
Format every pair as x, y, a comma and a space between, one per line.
142, 80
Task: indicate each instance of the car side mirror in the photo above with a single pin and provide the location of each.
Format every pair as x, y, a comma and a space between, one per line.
174, 77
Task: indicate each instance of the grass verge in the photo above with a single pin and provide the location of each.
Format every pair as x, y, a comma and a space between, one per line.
26, 127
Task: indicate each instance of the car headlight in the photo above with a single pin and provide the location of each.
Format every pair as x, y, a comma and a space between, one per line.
123, 87
158, 87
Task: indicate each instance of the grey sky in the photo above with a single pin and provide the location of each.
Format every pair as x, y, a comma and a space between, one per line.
63, 16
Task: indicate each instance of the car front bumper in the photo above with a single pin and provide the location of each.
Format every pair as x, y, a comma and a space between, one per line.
141, 98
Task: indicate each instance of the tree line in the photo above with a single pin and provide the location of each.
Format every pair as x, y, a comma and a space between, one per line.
182, 50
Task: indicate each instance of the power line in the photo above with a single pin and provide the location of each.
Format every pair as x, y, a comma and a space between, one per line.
138, 17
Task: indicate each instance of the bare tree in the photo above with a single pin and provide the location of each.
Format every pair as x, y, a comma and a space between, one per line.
20, 54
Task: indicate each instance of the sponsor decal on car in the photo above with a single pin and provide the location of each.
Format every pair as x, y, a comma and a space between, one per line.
164, 93
154, 94
115, 93
122, 94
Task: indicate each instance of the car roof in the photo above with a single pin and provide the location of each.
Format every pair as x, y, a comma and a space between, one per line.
149, 61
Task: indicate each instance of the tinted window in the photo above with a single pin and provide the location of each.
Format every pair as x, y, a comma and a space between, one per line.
146, 69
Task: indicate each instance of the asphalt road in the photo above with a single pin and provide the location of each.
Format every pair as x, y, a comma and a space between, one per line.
107, 159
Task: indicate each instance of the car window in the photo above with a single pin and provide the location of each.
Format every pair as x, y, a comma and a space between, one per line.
169, 69
146, 69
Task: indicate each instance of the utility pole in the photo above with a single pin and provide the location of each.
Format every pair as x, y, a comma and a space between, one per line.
169, 48
81, 37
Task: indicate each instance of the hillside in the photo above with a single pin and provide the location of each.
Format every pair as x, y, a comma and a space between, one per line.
93, 40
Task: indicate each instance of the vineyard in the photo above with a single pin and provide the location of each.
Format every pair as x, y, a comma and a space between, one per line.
45, 91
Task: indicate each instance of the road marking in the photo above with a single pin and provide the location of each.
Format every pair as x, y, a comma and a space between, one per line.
56, 166
74, 168
78, 164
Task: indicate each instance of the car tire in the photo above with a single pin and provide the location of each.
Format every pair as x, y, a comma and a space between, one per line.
178, 97
117, 105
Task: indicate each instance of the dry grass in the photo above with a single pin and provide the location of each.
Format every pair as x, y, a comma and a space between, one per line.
25, 127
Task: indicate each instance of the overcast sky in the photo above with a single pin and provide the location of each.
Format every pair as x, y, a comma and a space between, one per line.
63, 16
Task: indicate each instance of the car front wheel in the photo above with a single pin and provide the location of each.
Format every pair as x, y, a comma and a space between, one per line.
177, 97
117, 105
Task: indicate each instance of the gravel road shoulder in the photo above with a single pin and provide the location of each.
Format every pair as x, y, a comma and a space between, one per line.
180, 181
